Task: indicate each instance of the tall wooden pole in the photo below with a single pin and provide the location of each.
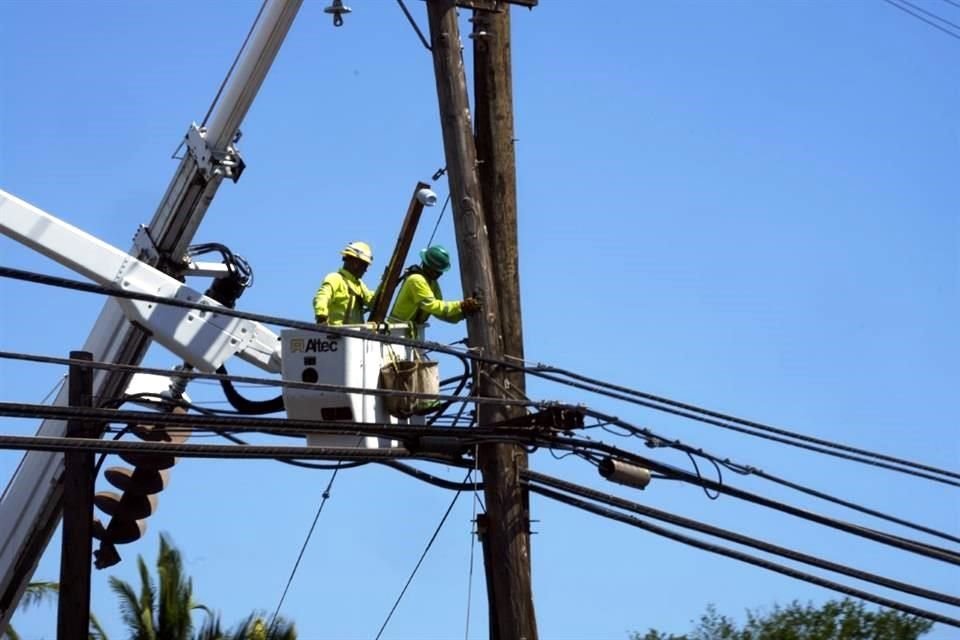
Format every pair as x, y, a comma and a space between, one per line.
73, 609
507, 533
493, 96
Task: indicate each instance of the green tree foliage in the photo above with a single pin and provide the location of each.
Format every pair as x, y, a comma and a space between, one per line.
38, 593
163, 610
836, 620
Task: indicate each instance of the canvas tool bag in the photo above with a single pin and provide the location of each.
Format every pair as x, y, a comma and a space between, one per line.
417, 375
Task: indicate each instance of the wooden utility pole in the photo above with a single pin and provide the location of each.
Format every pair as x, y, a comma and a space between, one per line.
73, 609
493, 97
506, 539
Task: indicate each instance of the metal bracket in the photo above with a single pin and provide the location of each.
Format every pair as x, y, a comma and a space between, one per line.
213, 162
562, 418
494, 5
144, 248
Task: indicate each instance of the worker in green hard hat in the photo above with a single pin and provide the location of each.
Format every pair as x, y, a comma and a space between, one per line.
420, 296
343, 297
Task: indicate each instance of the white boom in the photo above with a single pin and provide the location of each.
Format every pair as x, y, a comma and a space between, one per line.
31, 504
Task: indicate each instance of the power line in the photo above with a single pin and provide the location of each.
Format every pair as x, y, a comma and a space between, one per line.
743, 557
422, 556
466, 436
543, 371
953, 2
921, 548
631, 395
323, 501
266, 382
540, 370
922, 19
413, 23
929, 13
750, 470
233, 65
738, 538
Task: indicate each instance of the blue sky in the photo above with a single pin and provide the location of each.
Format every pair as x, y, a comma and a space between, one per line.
751, 206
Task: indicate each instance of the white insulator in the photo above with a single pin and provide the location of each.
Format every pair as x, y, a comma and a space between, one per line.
427, 197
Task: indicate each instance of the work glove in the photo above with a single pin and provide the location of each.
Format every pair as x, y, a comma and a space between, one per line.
321, 319
470, 305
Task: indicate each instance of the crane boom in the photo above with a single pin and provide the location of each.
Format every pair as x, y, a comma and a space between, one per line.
30, 506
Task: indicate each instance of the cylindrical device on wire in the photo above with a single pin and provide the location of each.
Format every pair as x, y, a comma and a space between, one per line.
624, 473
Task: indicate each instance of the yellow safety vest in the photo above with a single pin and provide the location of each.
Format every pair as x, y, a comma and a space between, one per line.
342, 298
420, 298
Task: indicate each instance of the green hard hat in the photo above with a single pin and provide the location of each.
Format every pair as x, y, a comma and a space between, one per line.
435, 257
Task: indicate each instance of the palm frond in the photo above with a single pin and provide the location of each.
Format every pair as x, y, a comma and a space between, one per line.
39, 592
96, 631
129, 604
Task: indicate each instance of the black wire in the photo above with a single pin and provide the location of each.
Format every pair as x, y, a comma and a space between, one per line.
299, 463
443, 483
439, 218
742, 469
929, 13
696, 468
326, 496
953, 2
743, 557
233, 65
921, 548
541, 371
922, 19
422, 556
732, 536
271, 382
413, 23
633, 396
846, 503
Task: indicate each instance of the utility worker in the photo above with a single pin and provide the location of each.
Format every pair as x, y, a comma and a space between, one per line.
342, 297
420, 296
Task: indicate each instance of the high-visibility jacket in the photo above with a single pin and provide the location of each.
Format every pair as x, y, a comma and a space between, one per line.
420, 298
342, 298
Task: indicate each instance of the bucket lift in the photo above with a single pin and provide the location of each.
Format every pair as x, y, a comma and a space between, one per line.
348, 361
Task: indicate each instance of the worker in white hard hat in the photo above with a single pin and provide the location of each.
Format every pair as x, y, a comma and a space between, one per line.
343, 297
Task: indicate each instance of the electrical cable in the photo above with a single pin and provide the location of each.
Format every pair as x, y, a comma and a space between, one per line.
323, 501
689, 410
271, 382
540, 370
743, 557
953, 2
490, 435
233, 65
929, 13
474, 534
741, 539
413, 23
743, 469
922, 19
422, 556
244, 405
55, 389
906, 544
439, 218
443, 483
